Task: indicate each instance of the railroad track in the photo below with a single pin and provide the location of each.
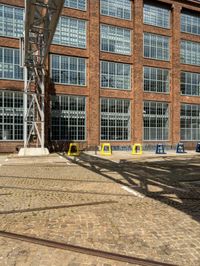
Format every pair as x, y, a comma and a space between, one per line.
150, 195
58, 207
57, 179
66, 191
83, 250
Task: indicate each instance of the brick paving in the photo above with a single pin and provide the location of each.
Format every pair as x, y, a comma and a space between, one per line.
142, 208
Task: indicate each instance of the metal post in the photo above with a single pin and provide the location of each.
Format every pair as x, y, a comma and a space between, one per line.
25, 98
42, 110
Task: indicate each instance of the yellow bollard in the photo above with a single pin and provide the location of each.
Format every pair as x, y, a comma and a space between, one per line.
137, 149
73, 149
106, 149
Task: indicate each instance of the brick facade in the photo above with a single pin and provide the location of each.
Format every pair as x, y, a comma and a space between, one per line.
92, 53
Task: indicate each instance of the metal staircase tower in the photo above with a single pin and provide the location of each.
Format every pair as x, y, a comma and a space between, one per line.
41, 18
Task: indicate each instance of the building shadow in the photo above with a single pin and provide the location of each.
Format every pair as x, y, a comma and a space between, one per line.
53, 145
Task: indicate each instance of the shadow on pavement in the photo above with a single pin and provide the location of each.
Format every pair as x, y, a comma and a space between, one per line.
167, 180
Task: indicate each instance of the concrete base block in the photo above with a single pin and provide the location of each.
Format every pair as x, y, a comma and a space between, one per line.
33, 152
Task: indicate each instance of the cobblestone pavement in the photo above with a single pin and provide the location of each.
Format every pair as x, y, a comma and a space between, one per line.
146, 208
3, 158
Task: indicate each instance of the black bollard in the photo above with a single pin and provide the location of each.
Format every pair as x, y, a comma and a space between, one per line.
180, 148
198, 147
160, 149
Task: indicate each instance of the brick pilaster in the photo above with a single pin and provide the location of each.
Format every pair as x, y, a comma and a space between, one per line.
175, 75
93, 116
137, 108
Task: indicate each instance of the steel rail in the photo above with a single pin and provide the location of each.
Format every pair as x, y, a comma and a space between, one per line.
150, 196
83, 250
86, 204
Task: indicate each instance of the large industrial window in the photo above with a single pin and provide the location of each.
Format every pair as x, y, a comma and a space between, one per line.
9, 64
68, 70
120, 9
190, 122
190, 84
11, 115
156, 46
68, 118
156, 79
115, 119
77, 4
115, 75
156, 16
190, 23
71, 32
190, 53
11, 21
156, 120
115, 40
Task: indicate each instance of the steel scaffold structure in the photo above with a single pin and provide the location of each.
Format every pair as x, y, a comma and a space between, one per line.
41, 18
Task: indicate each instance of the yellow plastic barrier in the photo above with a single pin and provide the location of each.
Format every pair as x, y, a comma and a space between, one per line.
106, 149
137, 149
74, 149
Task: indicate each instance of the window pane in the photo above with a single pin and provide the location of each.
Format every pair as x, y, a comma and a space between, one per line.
11, 21
190, 23
71, 32
68, 118
190, 122
68, 70
115, 40
190, 53
156, 79
115, 119
115, 75
156, 47
190, 84
77, 4
156, 15
9, 64
155, 121
120, 9
11, 115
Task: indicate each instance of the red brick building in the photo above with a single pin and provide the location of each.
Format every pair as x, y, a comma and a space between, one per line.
119, 72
